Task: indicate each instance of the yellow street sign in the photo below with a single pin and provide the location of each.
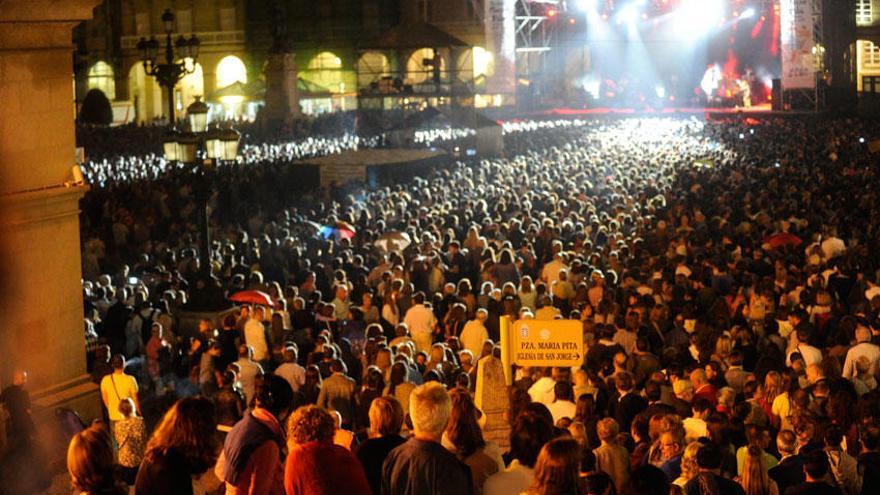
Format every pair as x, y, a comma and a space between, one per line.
547, 343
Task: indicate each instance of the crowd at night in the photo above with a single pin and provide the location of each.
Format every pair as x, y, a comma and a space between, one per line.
721, 270
440, 247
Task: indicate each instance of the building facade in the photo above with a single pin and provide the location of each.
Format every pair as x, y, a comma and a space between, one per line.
236, 37
868, 45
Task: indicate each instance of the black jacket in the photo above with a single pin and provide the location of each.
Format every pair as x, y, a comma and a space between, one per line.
626, 409
789, 472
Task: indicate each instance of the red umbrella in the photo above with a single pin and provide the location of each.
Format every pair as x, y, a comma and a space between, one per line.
345, 230
253, 297
783, 239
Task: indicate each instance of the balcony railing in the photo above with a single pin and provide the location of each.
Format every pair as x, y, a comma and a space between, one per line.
206, 37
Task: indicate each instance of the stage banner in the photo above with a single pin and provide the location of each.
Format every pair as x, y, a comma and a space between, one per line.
796, 30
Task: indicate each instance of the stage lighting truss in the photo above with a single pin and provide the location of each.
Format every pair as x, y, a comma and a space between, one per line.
537, 23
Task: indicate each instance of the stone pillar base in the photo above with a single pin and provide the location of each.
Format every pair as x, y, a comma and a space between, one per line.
282, 99
79, 394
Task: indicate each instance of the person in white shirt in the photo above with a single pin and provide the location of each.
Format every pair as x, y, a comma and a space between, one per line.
863, 347
529, 433
421, 323
543, 390
810, 354
340, 303
248, 371
290, 370
255, 335
563, 406
832, 247
474, 333
550, 272
695, 426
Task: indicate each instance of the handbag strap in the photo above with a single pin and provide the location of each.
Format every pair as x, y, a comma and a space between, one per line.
115, 391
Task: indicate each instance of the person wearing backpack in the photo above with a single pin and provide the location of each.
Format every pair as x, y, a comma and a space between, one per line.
843, 467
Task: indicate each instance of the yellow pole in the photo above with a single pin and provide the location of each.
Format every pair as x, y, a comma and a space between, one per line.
506, 345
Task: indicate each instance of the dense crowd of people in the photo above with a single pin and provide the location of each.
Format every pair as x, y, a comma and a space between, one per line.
721, 270
122, 155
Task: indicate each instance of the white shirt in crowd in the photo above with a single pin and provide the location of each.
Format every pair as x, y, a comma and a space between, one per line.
543, 391
810, 354
473, 335
562, 409
255, 336
421, 322
867, 349
247, 376
293, 373
516, 478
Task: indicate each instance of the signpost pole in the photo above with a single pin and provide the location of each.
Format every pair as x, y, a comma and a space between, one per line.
506, 352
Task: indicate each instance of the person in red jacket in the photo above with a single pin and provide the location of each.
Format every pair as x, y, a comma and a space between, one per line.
317, 466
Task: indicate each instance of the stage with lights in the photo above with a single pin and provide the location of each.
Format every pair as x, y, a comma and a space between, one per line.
687, 56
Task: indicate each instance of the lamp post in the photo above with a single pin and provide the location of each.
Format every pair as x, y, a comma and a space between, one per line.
170, 72
202, 147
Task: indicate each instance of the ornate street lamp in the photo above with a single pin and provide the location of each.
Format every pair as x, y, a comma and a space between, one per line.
202, 148
167, 74
222, 144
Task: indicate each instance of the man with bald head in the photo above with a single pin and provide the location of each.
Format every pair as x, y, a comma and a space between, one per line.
862, 347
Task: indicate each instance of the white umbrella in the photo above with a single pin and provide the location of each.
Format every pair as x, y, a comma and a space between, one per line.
393, 241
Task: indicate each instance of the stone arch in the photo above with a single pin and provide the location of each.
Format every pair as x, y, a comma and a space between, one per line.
145, 94
325, 69
417, 72
371, 67
188, 88
229, 70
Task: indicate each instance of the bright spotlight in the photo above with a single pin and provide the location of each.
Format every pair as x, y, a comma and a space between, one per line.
697, 17
591, 85
586, 5
629, 14
748, 13
660, 90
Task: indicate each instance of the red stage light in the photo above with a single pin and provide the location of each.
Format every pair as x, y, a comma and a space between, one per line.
551, 13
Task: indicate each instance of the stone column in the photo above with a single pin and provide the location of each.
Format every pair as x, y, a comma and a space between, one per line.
282, 98
41, 304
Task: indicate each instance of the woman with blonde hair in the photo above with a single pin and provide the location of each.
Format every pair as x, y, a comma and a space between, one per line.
130, 436
689, 467
90, 463
386, 421
723, 347
772, 389
754, 478
181, 447
557, 471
